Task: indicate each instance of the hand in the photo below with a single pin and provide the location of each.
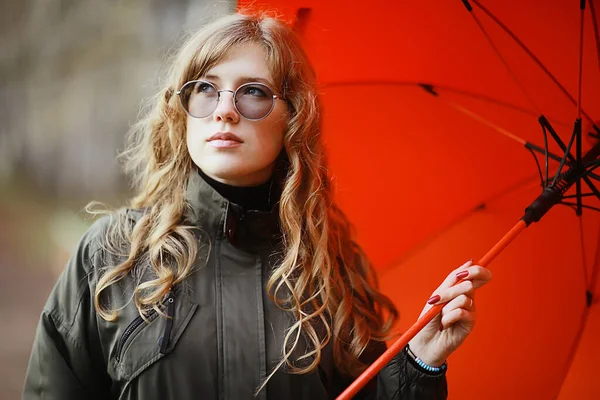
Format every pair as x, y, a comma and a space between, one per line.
444, 333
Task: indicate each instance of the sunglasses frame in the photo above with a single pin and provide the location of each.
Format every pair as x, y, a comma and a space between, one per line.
234, 93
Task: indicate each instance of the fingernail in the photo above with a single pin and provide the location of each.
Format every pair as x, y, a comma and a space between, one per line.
441, 327
434, 299
462, 274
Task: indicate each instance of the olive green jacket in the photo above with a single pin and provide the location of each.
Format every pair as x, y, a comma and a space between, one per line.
223, 337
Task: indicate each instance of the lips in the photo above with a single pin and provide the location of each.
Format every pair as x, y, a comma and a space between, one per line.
225, 136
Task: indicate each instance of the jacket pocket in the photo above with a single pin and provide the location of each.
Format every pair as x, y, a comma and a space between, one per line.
145, 342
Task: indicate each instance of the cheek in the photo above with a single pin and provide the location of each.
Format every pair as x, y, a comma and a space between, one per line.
189, 135
275, 128
194, 137
196, 129
271, 138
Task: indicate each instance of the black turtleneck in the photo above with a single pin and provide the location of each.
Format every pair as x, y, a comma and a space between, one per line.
248, 197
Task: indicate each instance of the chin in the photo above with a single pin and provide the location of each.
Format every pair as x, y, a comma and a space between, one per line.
245, 175
225, 171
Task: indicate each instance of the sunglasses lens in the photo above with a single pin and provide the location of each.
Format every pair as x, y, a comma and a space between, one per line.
199, 98
254, 101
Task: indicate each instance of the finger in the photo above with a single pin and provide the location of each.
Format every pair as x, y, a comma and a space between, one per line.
476, 273
464, 266
451, 278
445, 295
463, 301
459, 314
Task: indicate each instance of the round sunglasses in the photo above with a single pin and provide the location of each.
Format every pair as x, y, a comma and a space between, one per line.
253, 101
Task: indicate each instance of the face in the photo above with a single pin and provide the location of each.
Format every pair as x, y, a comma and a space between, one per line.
249, 158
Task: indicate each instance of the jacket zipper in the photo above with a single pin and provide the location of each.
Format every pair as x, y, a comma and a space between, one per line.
164, 342
139, 320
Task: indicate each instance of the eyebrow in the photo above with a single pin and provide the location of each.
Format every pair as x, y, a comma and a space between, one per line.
243, 79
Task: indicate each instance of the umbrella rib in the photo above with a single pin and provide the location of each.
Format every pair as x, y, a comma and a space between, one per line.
574, 346
546, 151
506, 65
486, 122
506, 133
581, 21
578, 154
571, 204
583, 258
596, 32
542, 151
572, 196
433, 90
543, 120
592, 167
478, 207
595, 270
590, 287
545, 125
567, 153
533, 56
537, 163
592, 186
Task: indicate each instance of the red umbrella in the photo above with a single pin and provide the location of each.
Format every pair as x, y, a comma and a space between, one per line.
431, 115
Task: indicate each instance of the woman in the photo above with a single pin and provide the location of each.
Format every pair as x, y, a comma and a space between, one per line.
232, 274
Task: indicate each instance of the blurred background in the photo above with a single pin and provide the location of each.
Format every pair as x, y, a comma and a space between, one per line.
73, 75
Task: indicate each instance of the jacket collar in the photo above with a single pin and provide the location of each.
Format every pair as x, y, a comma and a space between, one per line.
248, 230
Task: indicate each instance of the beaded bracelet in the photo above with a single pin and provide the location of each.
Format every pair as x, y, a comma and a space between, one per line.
426, 367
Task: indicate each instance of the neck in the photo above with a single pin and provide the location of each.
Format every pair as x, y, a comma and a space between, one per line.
248, 197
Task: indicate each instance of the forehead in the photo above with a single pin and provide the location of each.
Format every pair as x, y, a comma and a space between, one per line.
241, 62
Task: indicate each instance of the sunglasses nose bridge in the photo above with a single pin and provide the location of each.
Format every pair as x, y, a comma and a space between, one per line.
224, 90
218, 101
219, 96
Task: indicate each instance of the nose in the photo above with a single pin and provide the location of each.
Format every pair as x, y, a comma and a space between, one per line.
225, 110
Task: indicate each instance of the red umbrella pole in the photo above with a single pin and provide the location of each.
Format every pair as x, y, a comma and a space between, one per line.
387, 356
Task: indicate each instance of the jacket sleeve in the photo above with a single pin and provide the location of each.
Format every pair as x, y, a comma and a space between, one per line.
400, 379
66, 361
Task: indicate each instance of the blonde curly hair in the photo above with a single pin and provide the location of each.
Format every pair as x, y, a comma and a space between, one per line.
325, 275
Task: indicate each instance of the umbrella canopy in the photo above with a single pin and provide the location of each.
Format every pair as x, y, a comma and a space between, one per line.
428, 134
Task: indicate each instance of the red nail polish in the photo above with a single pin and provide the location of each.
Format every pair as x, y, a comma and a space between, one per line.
462, 274
434, 299
441, 327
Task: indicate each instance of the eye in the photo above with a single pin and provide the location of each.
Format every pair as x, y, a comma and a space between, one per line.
255, 91
203, 87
